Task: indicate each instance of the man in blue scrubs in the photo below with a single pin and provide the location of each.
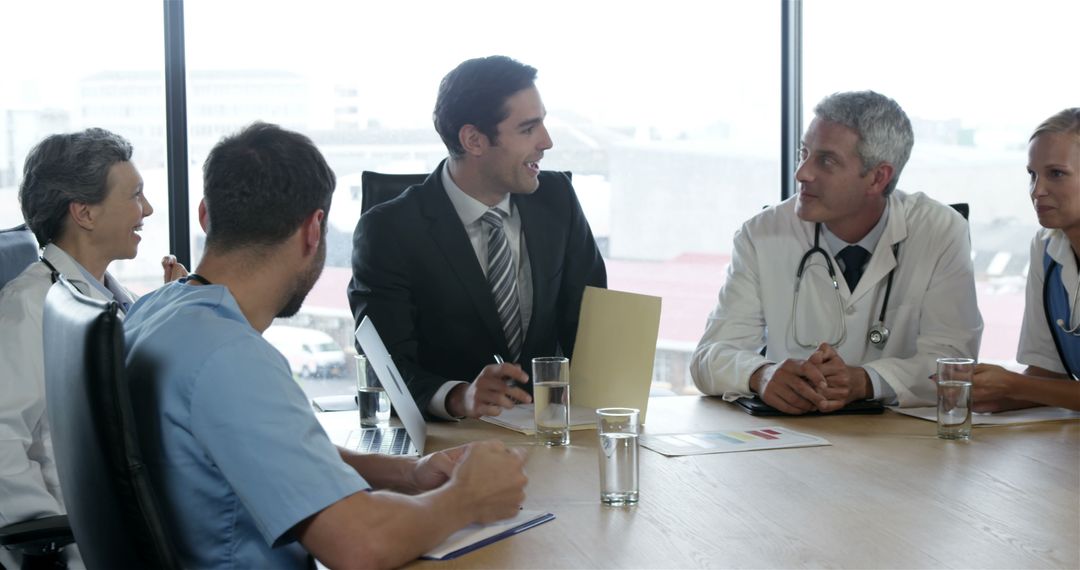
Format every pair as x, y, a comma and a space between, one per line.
248, 478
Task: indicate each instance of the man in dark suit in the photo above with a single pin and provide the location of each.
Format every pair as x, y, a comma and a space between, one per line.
488, 257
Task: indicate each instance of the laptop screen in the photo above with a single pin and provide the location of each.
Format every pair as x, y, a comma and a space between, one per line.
392, 382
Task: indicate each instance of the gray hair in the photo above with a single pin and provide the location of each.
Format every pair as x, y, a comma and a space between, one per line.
884, 130
63, 169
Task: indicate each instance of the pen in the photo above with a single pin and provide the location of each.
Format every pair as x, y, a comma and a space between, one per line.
509, 383
499, 360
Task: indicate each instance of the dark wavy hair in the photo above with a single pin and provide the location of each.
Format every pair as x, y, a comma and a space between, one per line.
475, 93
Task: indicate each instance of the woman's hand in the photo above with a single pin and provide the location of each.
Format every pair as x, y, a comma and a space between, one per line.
173, 269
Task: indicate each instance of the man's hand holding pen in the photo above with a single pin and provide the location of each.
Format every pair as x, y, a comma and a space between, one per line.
494, 389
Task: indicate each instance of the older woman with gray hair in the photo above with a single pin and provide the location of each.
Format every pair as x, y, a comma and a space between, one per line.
83, 198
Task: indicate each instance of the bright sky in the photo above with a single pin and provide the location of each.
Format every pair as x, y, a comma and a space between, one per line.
618, 62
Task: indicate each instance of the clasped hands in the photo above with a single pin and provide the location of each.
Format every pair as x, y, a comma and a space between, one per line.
823, 382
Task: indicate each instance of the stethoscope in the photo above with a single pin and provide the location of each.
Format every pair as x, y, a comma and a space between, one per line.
55, 274
878, 334
1065, 328
1072, 331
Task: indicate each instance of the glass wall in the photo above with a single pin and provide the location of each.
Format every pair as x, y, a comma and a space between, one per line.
975, 78
72, 65
668, 120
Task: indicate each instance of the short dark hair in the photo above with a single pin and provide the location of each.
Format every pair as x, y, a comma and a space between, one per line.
260, 183
475, 93
67, 168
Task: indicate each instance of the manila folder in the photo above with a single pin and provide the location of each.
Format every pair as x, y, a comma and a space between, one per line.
615, 348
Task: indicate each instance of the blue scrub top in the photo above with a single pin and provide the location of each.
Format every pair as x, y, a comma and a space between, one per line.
229, 438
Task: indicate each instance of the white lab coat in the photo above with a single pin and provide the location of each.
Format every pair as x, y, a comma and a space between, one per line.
29, 487
932, 311
1036, 342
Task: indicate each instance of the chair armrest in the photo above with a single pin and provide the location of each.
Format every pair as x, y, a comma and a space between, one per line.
37, 536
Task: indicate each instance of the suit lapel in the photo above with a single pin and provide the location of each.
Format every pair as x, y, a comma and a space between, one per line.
450, 238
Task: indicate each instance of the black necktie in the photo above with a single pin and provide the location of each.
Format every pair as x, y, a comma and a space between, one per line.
854, 258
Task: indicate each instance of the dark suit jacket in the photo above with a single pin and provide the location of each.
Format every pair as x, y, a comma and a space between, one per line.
417, 277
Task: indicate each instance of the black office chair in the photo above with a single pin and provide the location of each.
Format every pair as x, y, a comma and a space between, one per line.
18, 249
112, 507
38, 541
961, 207
376, 187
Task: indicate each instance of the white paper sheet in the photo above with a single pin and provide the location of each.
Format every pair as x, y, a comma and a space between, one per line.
1029, 415
727, 441
521, 418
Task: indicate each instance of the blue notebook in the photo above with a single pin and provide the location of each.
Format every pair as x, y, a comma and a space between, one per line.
477, 536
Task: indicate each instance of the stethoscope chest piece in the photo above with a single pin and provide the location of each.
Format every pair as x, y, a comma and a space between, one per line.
878, 335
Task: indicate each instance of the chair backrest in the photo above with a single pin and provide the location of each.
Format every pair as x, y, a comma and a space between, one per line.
112, 508
376, 187
18, 249
961, 207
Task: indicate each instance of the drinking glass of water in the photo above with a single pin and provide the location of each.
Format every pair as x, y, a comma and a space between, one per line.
618, 429
371, 398
551, 399
954, 397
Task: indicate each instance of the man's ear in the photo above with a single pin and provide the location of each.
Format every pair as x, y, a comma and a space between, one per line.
882, 176
84, 215
204, 217
472, 140
312, 231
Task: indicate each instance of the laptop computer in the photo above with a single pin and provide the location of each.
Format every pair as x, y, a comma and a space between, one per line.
391, 440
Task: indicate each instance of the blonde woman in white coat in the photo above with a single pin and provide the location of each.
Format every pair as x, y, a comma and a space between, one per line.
83, 198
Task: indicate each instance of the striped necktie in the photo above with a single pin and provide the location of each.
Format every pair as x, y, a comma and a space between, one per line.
503, 280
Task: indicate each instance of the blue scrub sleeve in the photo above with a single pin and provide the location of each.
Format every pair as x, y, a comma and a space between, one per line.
259, 430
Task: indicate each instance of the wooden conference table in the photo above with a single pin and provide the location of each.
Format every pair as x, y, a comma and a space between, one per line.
886, 493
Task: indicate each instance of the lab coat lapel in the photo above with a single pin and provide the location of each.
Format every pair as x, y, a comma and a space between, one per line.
883, 261
67, 267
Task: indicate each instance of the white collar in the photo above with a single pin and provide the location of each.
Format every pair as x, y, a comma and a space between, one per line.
469, 209
868, 242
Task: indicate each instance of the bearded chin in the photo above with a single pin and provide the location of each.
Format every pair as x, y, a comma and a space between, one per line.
304, 283
293, 306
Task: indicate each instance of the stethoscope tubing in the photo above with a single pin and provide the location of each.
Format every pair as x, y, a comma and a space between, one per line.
878, 334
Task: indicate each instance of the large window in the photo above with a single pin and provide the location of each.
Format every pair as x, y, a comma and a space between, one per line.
667, 118
72, 65
975, 78
668, 115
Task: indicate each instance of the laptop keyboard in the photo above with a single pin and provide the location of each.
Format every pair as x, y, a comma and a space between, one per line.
388, 441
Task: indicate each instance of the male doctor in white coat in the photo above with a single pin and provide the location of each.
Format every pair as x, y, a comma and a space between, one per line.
827, 346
